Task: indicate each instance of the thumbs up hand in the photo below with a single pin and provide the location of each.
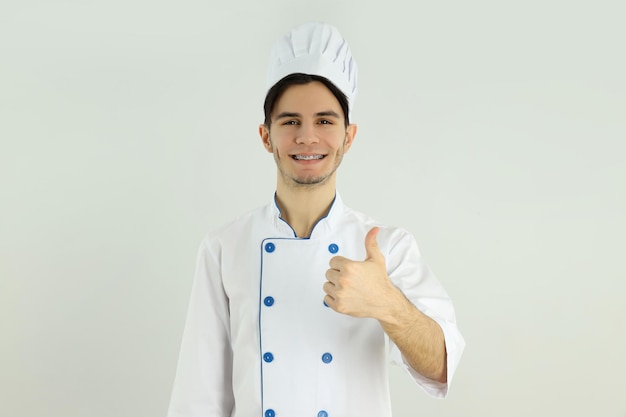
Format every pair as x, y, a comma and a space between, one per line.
361, 288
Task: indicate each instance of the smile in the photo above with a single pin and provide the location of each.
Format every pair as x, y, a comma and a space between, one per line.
307, 157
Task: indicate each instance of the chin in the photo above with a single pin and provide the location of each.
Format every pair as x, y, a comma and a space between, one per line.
311, 180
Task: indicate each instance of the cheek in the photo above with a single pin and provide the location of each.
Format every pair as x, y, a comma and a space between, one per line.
278, 141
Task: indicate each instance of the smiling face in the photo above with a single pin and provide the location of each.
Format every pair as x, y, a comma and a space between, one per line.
307, 135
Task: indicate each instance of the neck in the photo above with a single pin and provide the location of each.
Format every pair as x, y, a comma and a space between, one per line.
302, 207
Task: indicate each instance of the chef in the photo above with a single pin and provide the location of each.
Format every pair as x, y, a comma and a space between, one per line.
298, 307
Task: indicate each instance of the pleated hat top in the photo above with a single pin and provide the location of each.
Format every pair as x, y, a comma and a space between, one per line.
316, 49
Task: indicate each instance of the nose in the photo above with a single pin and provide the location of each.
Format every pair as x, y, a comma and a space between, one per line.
306, 135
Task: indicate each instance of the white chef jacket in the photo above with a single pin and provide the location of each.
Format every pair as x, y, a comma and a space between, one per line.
259, 340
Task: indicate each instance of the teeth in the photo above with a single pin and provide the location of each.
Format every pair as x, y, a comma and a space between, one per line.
308, 157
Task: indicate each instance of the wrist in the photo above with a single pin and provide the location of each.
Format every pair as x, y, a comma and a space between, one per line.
398, 313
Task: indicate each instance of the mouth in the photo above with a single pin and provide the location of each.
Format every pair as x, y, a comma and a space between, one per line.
308, 157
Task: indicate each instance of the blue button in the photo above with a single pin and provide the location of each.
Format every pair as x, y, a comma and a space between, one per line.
270, 413
268, 357
332, 248
327, 358
269, 247
322, 414
268, 301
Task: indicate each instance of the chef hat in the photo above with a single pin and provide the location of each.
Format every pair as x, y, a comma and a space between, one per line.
316, 49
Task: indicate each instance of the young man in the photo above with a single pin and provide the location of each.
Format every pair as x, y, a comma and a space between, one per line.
298, 306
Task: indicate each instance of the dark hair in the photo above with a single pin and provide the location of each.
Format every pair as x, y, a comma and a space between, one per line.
301, 79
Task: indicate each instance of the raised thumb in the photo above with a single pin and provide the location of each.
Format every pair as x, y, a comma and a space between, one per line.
371, 245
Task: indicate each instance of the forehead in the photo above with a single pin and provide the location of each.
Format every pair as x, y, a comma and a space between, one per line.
308, 98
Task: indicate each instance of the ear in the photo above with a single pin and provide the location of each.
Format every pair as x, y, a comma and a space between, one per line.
264, 132
350, 134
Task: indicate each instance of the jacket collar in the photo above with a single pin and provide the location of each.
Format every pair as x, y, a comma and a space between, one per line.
324, 225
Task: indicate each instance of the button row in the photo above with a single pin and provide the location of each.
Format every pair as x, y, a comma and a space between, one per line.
271, 413
270, 247
269, 357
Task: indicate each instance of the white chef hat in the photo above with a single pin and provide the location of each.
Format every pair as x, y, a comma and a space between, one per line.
317, 49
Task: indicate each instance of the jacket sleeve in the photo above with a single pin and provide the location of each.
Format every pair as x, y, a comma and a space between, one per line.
412, 276
202, 387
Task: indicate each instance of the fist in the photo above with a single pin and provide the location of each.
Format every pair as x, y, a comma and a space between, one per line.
360, 288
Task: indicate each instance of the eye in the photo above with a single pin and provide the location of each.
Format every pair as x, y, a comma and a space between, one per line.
290, 123
325, 122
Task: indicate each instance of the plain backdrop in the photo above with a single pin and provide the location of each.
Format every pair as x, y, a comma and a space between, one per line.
494, 131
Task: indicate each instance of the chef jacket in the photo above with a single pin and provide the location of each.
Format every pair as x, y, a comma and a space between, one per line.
259, 341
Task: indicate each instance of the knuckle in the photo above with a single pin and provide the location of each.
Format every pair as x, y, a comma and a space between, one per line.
341, 282
351, 268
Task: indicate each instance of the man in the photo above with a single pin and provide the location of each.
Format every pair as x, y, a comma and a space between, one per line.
298, 306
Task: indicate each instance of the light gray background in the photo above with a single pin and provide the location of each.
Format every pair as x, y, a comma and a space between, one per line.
494, 131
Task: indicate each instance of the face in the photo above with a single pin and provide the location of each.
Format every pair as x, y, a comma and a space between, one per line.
307, 135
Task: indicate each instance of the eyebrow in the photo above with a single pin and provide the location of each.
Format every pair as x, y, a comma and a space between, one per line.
326, 113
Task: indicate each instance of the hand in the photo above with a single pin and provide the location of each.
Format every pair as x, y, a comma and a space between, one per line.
360, 288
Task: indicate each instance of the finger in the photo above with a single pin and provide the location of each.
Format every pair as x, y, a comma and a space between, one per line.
371, 245
329, 300
329, 288
332, 275
336, 262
